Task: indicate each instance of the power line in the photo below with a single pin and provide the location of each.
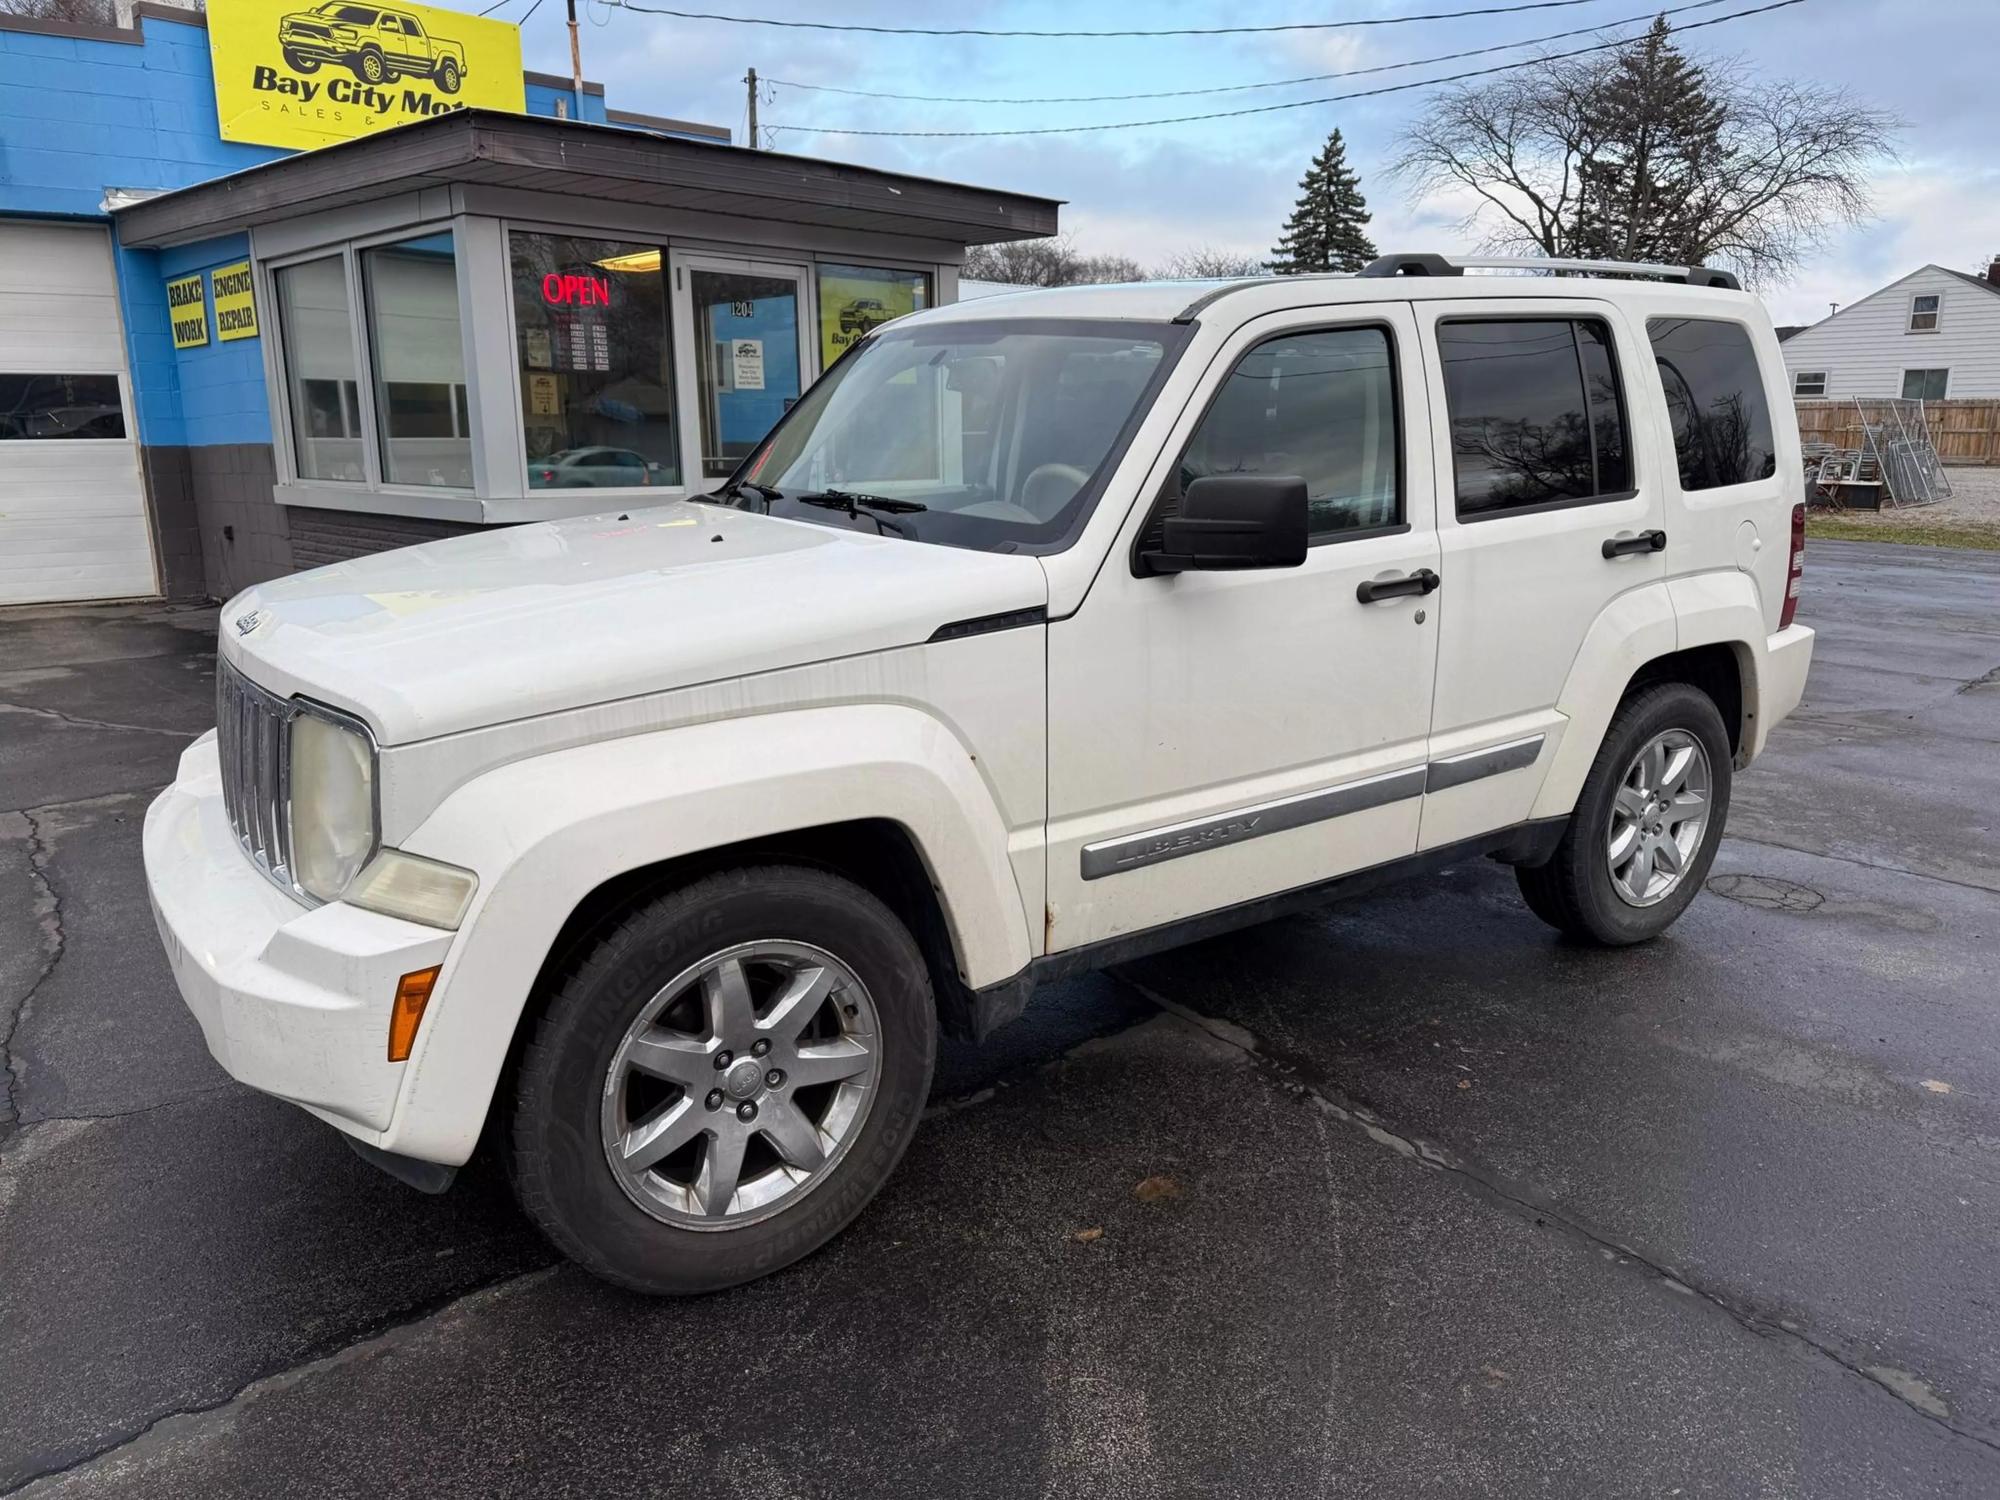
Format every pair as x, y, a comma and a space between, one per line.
1441, 15
1239, 88
1265, 109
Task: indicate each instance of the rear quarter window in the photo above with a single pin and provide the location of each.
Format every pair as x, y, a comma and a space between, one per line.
1715, 401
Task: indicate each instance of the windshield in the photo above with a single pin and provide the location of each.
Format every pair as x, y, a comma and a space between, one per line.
995, 435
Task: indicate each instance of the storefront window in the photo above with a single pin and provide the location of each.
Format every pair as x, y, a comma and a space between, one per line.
853, 300
418, 360
597, 387
317, 333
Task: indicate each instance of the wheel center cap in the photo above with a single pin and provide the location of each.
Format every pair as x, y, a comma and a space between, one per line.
744, 1078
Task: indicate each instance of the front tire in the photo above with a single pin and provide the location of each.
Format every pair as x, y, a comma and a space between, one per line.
370, 68
1646, 825
447, 76
299, 63
724, 1081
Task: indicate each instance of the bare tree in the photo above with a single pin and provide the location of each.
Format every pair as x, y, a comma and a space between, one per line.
77, 12
1632, 151
1206, 263
1047, 262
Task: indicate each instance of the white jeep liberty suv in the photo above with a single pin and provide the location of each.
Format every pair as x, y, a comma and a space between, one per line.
1045, 631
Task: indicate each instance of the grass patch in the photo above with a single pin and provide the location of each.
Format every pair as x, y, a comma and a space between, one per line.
1913, 532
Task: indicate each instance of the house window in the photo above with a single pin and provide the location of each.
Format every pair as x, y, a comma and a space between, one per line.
1924, 312
1925, 385
1809, 383
418, 361
597, 362
1537, 413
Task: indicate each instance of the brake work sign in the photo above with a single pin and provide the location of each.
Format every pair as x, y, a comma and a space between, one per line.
299, 74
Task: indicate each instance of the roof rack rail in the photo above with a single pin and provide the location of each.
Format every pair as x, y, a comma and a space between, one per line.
1455, 265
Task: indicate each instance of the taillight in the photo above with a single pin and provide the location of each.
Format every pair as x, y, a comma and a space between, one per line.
548, 476
1795, 571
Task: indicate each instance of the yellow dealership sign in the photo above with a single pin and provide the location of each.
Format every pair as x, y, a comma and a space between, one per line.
187, 310
235, 302
299, 74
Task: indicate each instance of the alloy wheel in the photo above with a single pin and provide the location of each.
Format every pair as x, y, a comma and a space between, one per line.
1658, 817
741, 1084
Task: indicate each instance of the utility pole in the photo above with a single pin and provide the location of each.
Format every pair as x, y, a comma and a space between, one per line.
575, 62
750, 79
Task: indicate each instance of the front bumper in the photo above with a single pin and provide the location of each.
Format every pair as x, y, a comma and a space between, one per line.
292, 1001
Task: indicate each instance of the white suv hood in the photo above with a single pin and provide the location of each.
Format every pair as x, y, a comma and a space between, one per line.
527, 620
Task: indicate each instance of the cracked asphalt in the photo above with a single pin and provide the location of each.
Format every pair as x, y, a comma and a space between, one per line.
1435, 1204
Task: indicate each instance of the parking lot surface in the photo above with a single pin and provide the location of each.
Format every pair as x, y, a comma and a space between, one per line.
1403, 1197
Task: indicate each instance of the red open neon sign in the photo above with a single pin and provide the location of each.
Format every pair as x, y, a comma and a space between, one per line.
560, 290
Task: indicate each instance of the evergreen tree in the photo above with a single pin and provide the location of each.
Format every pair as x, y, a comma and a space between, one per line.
1655, 128
1327, 230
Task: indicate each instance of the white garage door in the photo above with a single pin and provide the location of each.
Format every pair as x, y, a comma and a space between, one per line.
72, 505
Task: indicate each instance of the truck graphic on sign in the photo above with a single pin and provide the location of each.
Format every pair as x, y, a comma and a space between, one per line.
374, 43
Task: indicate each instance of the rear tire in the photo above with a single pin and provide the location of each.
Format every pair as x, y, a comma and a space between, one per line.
643, 1044
447, 76
1646, 825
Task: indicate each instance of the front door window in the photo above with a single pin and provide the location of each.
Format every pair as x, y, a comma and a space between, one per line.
747, 364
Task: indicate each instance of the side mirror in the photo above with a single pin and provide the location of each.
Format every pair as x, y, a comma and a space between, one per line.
1231, 521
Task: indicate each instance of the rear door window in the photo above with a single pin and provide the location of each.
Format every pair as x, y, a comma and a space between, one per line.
1715, 401
1537, 413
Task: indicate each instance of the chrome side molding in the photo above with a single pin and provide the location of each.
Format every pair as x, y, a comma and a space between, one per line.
1175, 840
1474, 765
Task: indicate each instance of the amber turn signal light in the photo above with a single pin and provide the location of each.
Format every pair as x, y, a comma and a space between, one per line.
413, 993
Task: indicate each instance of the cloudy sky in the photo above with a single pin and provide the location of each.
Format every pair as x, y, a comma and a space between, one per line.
1151, 192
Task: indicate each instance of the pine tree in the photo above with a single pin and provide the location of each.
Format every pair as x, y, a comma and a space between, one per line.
1327, 229
1656, 127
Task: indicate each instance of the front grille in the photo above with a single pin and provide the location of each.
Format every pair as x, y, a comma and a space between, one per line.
253, 734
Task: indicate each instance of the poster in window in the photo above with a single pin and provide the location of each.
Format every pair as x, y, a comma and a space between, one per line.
544, 396
856, 300
747, 364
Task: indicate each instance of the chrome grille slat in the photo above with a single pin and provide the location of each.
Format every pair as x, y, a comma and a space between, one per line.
253, 739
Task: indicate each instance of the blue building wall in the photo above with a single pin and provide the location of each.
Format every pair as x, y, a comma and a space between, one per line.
135, 109
79, 115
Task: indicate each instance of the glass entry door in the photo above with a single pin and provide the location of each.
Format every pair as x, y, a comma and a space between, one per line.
746, 357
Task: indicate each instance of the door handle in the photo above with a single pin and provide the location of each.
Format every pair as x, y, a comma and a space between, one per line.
1645, 541
1423, 581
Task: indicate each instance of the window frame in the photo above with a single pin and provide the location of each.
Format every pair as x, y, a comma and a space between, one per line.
1570, 502
1944, 370
1799, 376
1398, 409
348, 251
1935, 314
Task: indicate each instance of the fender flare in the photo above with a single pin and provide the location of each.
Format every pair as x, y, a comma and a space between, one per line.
543, 833
1725, 608
1636, 627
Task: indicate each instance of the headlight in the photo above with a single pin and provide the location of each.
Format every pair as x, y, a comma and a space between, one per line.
333, 804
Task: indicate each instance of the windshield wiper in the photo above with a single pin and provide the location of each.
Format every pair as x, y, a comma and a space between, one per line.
853, 503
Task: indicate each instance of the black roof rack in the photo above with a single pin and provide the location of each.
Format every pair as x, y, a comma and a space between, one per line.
1439, 265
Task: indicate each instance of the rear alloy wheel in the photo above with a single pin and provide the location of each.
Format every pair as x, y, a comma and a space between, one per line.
724, 1080
1646, 824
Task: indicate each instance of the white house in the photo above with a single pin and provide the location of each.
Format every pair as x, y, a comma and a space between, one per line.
1934, 334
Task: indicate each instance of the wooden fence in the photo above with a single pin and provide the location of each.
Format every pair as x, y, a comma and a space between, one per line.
1964, 432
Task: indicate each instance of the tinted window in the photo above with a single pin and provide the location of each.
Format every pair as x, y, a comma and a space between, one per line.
60, 406
1537, 414
1715, 401
1318, 405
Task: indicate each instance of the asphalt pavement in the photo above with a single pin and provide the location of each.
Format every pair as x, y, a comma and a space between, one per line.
1405, 1197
